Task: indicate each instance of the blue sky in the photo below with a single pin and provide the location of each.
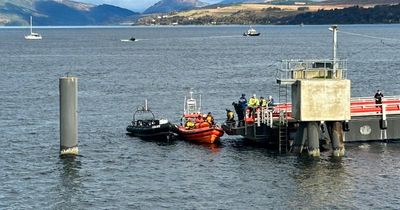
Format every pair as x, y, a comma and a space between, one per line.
135, 5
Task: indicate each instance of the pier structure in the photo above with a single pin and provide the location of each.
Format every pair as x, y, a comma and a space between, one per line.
68, 87
320, 94
315, 109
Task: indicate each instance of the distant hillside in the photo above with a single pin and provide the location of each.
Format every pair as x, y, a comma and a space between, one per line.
265, 1
351, 15
60, 12
361, 2
166, 6
240, 1
250, 14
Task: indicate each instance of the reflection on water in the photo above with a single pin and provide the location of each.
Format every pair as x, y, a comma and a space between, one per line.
70, 186
320, 181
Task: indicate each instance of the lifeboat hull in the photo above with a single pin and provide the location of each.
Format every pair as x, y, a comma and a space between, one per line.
208, 135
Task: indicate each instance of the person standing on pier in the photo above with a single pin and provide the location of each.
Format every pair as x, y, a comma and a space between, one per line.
270, 101
240, 109
263, 102
253, 104
243, 101
378, 97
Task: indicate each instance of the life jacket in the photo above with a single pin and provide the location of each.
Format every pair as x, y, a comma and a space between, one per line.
230, 115
263, 102
253, 102
210, 119
189, 124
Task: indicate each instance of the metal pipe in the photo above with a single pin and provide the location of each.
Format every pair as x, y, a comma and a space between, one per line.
68, 115
334, 30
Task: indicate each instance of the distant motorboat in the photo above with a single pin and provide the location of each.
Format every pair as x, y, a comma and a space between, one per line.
132, 39
33, 35
251, 32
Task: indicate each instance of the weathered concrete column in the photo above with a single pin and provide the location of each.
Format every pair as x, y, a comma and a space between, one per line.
335, 130
313, 139
68, 115
300, 138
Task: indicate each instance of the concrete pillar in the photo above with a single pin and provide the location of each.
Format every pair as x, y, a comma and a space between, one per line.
313, 139
300, 138
335, 130
68, 115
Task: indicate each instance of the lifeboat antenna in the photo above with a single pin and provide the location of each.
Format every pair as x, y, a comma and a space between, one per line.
199, 104
191, 94
145, 105
184, 105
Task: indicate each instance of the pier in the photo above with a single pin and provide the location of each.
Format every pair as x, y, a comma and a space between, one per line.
316, 108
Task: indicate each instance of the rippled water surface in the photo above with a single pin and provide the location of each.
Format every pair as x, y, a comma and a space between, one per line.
115, 171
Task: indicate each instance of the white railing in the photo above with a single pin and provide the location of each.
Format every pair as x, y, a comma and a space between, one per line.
288, 67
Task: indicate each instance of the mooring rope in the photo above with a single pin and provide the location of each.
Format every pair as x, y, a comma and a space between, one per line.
369, 36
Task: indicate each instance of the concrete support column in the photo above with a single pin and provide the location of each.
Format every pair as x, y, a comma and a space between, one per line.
68, 115
300, 138
313, 139
335, 130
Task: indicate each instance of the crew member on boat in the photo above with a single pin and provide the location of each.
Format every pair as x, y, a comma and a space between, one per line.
243, 101
189, 124
263, 102
210, 119
199, 119
253, 104
240, 108
230, 117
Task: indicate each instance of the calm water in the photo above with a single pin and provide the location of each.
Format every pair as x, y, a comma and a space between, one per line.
114, 171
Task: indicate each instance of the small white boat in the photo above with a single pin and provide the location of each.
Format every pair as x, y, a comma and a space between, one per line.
251, 32
132, 39
32, 35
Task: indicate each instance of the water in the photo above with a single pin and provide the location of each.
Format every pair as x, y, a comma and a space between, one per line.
115, 171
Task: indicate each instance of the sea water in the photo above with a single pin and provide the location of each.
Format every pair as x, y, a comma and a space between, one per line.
115, 171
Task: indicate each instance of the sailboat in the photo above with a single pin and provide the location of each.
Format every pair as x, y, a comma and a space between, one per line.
33, 36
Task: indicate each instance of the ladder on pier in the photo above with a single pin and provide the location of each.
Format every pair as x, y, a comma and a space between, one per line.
283, 119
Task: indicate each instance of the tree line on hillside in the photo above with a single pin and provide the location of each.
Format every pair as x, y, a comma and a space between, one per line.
351, 15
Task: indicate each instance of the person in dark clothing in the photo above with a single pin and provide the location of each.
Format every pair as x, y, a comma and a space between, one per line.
240, 113
378, 97
243, 101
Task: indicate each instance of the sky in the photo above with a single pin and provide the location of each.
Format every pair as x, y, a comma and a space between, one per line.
135, 5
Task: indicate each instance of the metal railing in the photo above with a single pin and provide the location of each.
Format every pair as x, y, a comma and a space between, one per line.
363, 106
312, 69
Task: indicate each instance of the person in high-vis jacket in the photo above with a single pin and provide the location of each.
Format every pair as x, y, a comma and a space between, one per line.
253, 101
263, 102
253, 104
210, 119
